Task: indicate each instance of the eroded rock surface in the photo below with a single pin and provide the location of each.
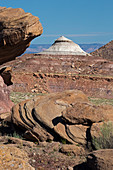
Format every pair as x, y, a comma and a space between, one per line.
13, 158
17, 29
5, 102
42, 116
101, 159
67, 115
84, 113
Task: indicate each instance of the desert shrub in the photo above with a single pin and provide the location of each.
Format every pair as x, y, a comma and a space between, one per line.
63, 141
105, 139
16, 135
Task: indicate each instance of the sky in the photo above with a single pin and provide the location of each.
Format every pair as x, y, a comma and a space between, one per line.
83, 21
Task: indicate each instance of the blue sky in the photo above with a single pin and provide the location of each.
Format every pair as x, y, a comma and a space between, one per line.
83, 21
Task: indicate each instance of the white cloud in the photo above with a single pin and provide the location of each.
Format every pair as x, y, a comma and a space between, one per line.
78, 35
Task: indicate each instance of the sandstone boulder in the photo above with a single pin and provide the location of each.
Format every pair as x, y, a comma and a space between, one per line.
72, 149
17, 29
101, 160
5, 102
13, 158
83, 113
67, 115
17, 142
42, 116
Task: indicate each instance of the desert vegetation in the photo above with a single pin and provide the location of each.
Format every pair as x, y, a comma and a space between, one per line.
105, 138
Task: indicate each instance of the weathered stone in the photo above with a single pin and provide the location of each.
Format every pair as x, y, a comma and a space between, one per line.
13, 158
108, 112
17, 29
16, 141
42, 116
72, 149
66, 115
5, 102
84, 113
77, 133
101, 160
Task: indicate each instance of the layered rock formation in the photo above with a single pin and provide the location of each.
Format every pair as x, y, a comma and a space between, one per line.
5, 102
105, 51
17, 29
67, 115
42, 116
64, 46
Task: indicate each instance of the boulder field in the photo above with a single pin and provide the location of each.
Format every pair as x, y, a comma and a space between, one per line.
17, 29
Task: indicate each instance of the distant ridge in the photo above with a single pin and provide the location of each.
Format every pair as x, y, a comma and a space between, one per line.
105, 51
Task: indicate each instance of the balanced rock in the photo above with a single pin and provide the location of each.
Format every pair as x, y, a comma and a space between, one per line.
5, 102
17, 29
64, 46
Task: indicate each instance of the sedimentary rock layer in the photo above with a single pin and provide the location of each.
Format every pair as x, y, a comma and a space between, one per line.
67, 115
64, 46
55, 73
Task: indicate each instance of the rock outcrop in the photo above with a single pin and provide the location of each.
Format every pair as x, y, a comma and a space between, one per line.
5, 102
83, 113
67, 115
100, 159
17, 29
42, 119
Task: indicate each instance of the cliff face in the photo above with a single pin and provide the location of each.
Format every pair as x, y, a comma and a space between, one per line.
17, 29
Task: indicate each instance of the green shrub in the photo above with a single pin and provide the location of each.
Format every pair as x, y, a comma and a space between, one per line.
16, 135
105, 139
63, 141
